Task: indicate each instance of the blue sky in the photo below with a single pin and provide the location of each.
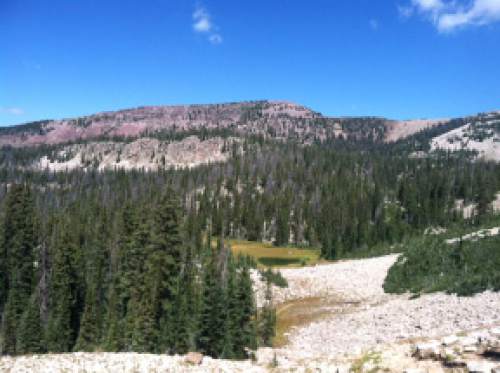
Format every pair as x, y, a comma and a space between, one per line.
399, 59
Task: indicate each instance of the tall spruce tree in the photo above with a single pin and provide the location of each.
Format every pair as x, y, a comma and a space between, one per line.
19, 240
123, 274
30, 337
267, 327
90, 331
231, 325
63, 321
212, 315
246, 336
165, 264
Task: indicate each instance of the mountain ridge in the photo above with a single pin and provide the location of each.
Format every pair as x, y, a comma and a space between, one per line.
276, 118
156, 137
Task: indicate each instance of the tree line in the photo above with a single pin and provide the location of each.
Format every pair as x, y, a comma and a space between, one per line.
342, 196
87, 278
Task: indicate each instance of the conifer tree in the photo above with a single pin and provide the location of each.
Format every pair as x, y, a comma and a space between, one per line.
30, 334
232, 312
138, 313
113, 339
246, 336
123, 278
267, 318
19, 241
90, 330
211, 324
63, 317
9, 330
187, 299
165, 264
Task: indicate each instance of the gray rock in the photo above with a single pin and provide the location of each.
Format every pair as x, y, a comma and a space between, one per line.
450, 340
480, 366
470, 349
495, 332
468, 341
427, 350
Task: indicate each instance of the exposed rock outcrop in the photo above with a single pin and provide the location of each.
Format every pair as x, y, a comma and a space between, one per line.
145, 153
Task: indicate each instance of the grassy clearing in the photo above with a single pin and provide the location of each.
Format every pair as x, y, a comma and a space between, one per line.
268, 255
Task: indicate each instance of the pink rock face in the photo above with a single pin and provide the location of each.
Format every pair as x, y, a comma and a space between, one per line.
248, 117
276, 119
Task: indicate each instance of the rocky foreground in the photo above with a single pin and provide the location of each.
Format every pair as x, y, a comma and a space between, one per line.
360, 329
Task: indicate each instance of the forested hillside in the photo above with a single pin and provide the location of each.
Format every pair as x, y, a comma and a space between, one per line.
342, 196
83, 276
97, 258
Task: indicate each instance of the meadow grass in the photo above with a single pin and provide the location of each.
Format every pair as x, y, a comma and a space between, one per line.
267, 255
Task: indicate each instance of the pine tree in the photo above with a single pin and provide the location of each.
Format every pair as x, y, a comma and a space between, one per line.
9, 330
18, 241
245, 337
88, 336
212, 320
114, 336
180, 316
189, 293
124, 272
268, 318
90, 331
166, 258
283, 220
30, 334
137, 318
63, 317
232, 312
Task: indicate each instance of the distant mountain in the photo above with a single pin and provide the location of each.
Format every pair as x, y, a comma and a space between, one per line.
155, 137
280, 120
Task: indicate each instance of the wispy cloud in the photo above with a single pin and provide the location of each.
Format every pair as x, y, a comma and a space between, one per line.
203, 24
12, 110
450, 15
428, 5
481, 12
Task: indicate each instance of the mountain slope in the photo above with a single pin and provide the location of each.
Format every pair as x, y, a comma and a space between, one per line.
144, 153
481, 134
158, 137
280, 120
260, 117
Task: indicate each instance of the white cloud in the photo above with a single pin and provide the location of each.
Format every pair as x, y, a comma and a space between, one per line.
201, 20
202, 23
428, 5
453, 14
373, 24
12, 110
481, 12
